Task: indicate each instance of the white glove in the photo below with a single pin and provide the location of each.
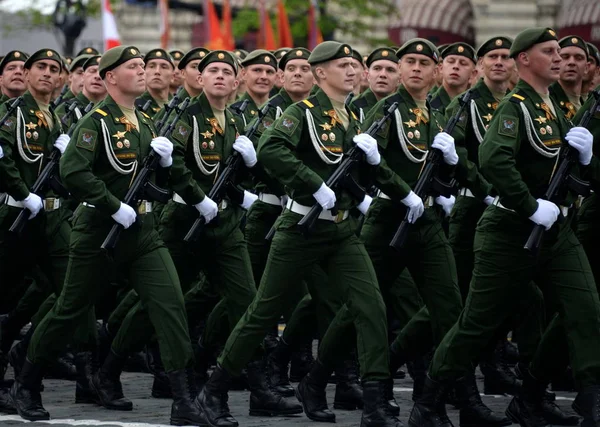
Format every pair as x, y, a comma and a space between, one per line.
125, 215
34, 203
447, 203
368, 144
415, 206
249, 198
582, 140
363, 206
244, 146
546, 214
445, 143
325, 197
61, 142
488, 200
164, 148
1, 153
208, 209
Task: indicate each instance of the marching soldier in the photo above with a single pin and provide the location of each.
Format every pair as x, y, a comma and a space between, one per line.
177, 81
188, 66
361, 73
159, 73
75, 76
566, 92
88, 50
518, 159
591, 78
12, 75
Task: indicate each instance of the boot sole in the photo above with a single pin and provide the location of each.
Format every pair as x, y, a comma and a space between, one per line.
503, 424
108, 406
41, 418
318, 419
267, 413
188, 422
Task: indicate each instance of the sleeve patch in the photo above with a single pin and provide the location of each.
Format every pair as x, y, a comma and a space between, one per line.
87, 139
508, 126
287, 124
181, 132
9, 124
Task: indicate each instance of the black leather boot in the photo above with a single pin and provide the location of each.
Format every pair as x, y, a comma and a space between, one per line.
271, 340
302, 361
526, 408
473, 412
554, 415
499, 378
86, 364
105, 339
348, 391
184, 410
213, 399
278, 362
202, 361
417, 369
397, 359
17, 355
375, 412
63, 368
263, 400
161, 385
107, 384
430, 410
25, 393
511, 353
587, 404
6, 405
311, 393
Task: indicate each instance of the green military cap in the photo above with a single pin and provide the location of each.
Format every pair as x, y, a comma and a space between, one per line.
328, 51
12, 56
195, 53
383, 53
219, 56
88, 51
576, 42
176, 54
78, 62
421, 47
67, 61
299, 53
159, 54
530, 37
260, 57
594, 52
279, 53
114, 57
356, 55
44, 54
460, 49
91, 61
240, 53
441, 47
493, 44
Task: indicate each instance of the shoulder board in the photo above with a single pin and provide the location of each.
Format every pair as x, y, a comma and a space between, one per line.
309, 103
360, 102
393, 98
99, 114
194, 108
235, 107
436, 103
518, 97
139, 103
276, 101
474, 94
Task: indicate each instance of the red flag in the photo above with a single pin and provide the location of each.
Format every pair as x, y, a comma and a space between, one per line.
165, 28
314, 33
267, 37
227, 27
283, 26
214, 36
109, 27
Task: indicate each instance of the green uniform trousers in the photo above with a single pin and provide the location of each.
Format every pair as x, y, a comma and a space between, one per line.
337, 250
502, 269
150, 271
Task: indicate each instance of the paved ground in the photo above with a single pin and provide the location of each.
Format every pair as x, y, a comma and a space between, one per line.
58, 399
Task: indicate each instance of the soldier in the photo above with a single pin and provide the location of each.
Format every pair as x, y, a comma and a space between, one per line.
278, 54
566, 92
240, 54
97, 169
592, 77
458, 68
159, 73
188, 66
518, 159
75, 77
177, 80
361, 72
88, 50
259, 74
12, 75
301, 149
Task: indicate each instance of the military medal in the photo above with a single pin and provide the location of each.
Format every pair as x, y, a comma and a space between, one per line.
211, 145
420, 117
126, 143
334, 118
324, 137
205, 145
28, 135
417, 134
543, 131
31, 126
332, 137
541, 120
207, 134
326, 126
547, 110
549, 129
488, 117
36, 135
119, 144
119, 135
216, 127
410, 135
411, 123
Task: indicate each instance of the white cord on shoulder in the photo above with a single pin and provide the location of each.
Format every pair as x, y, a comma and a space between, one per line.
205, 167
119, 166
405, 142
476, 121
278, 112
362, 115
78, 113
534, 140
318, 145
29, 157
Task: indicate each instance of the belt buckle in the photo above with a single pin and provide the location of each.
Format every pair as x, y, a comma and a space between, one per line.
339, 217
144, 207
49, 204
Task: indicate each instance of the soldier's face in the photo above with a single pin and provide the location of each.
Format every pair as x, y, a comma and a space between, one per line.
259, 79
159, 74
383, 77
497, 65
190, 75
177, 79
543, 61
417, 71
13, 77
360, 72
92, 82
574, 64
339, 74
76, 80
129, 78
457, 70
43, 76
297, 76
218, 79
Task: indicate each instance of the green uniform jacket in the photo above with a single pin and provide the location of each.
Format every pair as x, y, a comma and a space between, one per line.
561, 100
291, 150
81, 101
516, 164
364, 103
468, 135
68, 95
593, 170
249, 113
98, 169
155, 111
440, 101
26, 143
3, 99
